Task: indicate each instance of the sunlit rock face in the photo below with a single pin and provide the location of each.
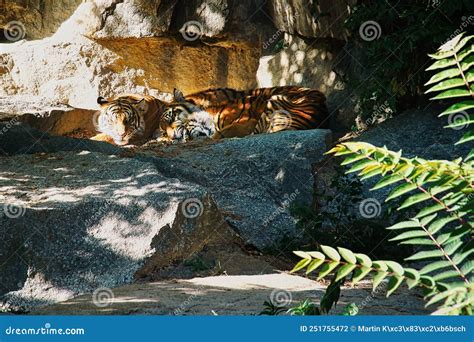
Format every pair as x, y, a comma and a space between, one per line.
105, 48
40, 18
321, 19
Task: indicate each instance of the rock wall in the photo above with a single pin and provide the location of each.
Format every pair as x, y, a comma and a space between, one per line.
108, 47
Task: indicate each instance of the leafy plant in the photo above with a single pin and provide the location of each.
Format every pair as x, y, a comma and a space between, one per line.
438, 192
456, 61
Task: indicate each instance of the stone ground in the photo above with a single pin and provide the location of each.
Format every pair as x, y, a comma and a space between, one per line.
230, 295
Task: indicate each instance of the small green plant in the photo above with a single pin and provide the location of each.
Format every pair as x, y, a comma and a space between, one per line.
440, 194
271, 309
305, 308
350, 310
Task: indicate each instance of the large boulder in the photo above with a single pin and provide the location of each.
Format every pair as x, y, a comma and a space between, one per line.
76, 221
72, 208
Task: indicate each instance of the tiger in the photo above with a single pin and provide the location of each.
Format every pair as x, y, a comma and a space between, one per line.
128, 119
226, 113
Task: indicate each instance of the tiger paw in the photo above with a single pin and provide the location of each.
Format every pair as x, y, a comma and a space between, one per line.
102, 137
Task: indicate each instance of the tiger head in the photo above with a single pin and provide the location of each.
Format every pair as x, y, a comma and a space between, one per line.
182, 120
122, 118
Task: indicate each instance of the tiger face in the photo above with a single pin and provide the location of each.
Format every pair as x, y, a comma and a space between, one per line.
122, 119
185, 122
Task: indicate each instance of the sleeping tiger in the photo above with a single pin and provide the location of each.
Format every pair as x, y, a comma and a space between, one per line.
226, 113
128, 119
216, 113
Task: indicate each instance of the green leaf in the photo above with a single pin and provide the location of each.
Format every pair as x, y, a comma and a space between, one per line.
446, 275
360, 273
459, 107
468, 267
331, 253
363, 259
451, 248
461, 121
405, 225
429, 210
435, 266
353, 158
301, 264
380, 265
361, 165
427, 281
466, 137
395, 267
447, 94
417, 198
459, 258
302, 254
314, 264
401, 190
327, 268
378, 278
448, 73
347, 255
317, 255
344, 271
451, 83
425, 255
410, 234
417, 241
387, 180
440, 223
393, 283
411, 273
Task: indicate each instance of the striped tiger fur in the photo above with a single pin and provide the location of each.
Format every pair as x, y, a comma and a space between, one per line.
128, 119
226, 113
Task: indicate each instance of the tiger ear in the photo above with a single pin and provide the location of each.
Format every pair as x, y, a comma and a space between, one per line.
101, 101
178, 95
141, 104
